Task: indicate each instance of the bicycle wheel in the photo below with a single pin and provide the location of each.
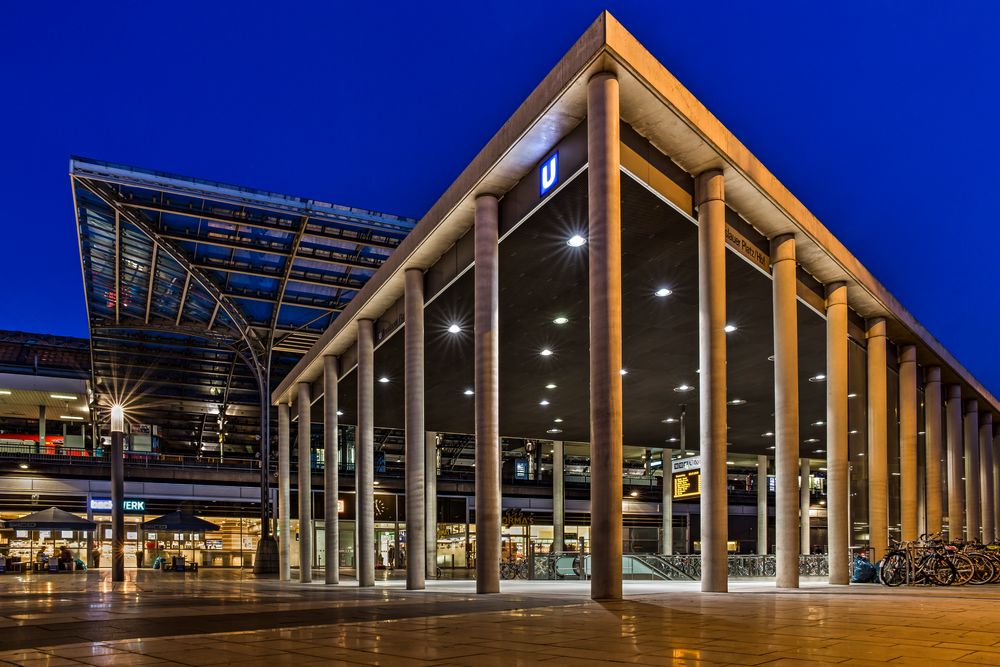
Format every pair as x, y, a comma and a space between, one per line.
984, 569
892, 570
964, 568
938, 570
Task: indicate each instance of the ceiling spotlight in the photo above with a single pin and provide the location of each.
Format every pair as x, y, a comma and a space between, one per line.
546, 352
558, 420
554, 430
819, 423
468, 392
683, 387
560, 320
670, 420
376, 482
852, 395
730, 463
771, 358
769, 434
22, 466
340, 413
623, 372
550, 385
383, 379
663, 291
737, 401
673, 439
771, 447
818, 451
576, 241
811, 440
543, 402
817, 378
634, 494
853, 432
454, 329
729, 328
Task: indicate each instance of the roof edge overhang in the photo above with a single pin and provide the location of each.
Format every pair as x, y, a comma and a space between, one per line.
662, 110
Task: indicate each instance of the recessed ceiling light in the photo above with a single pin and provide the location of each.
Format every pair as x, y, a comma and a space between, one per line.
468, 392
454, 328
22, 466
543, 402
558, 420
623, 372
663, 291
340, 413
546, 352
550, 385
730, 463
729, 328
683, 387
670, 420
576, 241
75, 417
376, 482
819, 423
854, 432
737, 401
5, 392
822, 469
812, 440
921, 432
818, 451
672, 439
554, 430
817, 378
383, 379
771, 358
771, 447
65, 397
560, 320
852, 395
634, 494
768, 434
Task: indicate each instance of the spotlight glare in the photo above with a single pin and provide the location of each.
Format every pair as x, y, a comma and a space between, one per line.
383, 379
576, 241
663, 291
454, 329
546, 352
729, 328
560, 320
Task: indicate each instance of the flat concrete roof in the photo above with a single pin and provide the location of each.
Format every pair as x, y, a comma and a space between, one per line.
663, 111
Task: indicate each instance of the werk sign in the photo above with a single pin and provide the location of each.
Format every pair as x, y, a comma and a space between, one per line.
687, 484
129, 505
549, 175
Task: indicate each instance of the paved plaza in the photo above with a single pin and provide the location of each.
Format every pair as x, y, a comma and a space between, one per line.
232, 618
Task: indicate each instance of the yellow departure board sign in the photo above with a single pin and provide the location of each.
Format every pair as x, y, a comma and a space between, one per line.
687, 484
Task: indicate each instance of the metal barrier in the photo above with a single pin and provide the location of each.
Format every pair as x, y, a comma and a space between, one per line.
572, 565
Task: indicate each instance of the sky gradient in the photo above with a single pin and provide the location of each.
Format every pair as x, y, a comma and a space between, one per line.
880, 117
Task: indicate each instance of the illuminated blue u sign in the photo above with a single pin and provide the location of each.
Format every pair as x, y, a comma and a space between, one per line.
550, 174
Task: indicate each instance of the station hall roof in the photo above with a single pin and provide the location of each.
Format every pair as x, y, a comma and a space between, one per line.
199, 293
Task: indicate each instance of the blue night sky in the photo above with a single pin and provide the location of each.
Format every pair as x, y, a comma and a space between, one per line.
879, 116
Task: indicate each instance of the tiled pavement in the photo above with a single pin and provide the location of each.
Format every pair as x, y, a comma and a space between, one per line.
225, 618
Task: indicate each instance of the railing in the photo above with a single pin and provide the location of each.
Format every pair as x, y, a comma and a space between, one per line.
572, 565
79, 457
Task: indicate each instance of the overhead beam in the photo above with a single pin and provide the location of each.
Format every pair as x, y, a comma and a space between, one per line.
152, 280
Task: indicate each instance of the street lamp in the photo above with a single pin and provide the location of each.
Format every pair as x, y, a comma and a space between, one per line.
117, 493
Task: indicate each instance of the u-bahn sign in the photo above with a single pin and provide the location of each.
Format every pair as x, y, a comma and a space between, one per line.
687, 484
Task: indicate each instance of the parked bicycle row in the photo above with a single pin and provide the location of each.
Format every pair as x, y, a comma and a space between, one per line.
932, 561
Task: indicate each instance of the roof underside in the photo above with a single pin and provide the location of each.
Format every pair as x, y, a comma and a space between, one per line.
197, 290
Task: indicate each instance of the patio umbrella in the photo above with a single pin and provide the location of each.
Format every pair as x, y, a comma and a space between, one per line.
180, 522
51, 519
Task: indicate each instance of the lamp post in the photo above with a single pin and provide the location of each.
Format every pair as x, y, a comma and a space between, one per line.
117, 494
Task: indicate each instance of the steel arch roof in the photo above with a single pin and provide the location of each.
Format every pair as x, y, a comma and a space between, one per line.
197, 290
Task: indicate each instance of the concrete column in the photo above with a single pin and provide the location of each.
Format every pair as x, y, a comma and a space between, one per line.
415, 435
304, 405
786, 411
117, 505
558, 497
986, 475
284, 494
430, 505
487, 390
934, 492
331, 477
710, 198
956, 487
666, 466
604, 198
41, 429
878, 476
804, 502
762, 547
996, 482
364, 456
973, 501
908, 442
837, 489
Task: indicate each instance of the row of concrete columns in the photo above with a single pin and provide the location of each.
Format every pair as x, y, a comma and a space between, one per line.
605, 362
